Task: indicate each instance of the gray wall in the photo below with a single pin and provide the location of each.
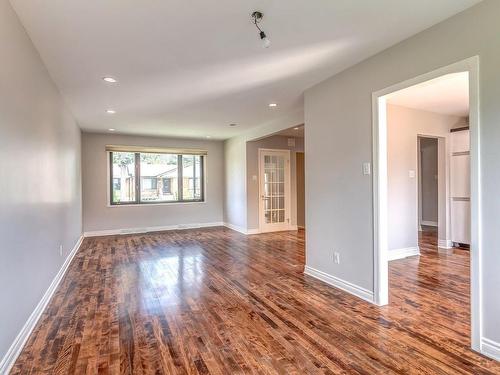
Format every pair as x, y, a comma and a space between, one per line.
273, 142
338, 117
98, 216
428, 179
40, 184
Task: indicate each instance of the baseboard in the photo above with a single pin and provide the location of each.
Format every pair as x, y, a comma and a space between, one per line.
346, 286
114, 232
253, 231
406, 252
429, 223
17, 346
490, 348
445, 244
236, 228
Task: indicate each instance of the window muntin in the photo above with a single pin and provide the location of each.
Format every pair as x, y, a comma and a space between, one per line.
163, 178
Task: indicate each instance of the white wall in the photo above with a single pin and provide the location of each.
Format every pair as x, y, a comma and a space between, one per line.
40, 183
338, 114
404, 125
272, 142
98, 216
235, 197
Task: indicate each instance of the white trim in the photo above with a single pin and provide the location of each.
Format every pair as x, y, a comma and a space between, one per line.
255, 230
490, 348
403, 253
17, 346
114, 232
346, 286
236, 228
445, 244
429, 223
380, 250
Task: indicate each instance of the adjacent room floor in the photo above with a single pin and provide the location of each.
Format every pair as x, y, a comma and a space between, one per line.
214, 301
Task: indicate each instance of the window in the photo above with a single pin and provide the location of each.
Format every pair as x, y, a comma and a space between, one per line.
145, 177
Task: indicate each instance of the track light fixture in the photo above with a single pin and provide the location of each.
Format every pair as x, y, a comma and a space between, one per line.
256, 19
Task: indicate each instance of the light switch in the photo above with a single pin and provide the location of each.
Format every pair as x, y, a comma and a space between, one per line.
411, 173
367, 168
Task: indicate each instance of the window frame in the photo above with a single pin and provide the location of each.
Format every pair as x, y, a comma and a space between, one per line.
138, 179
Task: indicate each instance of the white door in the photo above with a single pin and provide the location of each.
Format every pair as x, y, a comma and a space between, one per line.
274, 180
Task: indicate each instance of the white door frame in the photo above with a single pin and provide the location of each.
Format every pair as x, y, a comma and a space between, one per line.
380, 228
288, 210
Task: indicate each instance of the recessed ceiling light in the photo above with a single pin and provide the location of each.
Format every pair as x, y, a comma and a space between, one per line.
273, 105
110, 111
296, 128
111, 129
109, 79
209, 136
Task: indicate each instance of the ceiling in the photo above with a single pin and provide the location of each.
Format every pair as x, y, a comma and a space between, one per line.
296, 132
190, 68
447, 95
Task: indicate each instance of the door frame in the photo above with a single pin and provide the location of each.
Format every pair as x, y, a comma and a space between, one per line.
380, 228
443, 222
288, 207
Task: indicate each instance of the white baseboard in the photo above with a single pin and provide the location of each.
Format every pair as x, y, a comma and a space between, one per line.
114, 232
17, 346
236, 228
445, 244
253, 231
403, 253
429, 223
490, 348
346, 286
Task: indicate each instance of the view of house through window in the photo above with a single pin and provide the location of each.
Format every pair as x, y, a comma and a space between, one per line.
155, 178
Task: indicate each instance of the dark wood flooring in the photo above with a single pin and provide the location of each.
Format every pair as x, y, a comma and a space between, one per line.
213, 301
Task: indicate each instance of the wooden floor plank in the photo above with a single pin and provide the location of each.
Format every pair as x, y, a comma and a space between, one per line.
213, 301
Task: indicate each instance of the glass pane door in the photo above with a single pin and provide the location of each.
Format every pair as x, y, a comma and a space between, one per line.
274, 189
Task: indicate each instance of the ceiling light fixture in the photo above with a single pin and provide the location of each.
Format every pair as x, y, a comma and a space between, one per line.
111, 129
232, 124
209, 136
272, 105
110, 111
256, 19
296, 128
109, 79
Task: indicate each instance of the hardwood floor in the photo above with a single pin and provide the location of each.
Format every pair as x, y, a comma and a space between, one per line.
213, 301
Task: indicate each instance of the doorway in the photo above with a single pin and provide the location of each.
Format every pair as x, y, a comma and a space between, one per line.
274, 188
381, 196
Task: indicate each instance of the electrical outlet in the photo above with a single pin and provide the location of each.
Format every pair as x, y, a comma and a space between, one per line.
60, 250
336, 258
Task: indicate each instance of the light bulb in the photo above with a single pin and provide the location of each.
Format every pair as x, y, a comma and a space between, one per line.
265, 40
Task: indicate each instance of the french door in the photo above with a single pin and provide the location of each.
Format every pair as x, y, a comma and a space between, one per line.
274, 189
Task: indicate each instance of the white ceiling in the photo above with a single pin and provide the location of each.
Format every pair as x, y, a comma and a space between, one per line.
448, 95
296, 132
190, 68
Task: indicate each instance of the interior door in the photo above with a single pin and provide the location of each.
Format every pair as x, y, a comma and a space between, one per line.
274, 171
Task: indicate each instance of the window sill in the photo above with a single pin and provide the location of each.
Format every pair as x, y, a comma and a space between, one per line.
154, 204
